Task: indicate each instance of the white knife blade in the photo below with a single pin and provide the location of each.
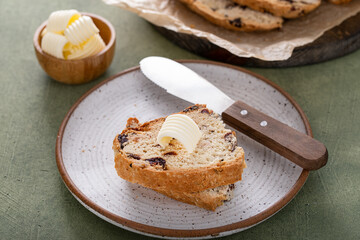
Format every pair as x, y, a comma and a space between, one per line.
182, 81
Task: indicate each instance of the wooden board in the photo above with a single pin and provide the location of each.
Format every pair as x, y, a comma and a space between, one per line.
334, 43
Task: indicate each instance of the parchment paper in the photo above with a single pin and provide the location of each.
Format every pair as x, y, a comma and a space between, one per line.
269, 46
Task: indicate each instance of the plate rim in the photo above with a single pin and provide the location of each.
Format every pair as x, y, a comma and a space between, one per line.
168, 232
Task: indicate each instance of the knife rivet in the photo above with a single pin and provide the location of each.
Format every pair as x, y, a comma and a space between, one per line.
243, 112
263, 123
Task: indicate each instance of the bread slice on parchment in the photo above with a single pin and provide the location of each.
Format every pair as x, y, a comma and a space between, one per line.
230, 15
216, 160
282, 8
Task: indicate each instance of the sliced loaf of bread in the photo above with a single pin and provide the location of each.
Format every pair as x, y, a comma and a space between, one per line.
216, 160
232, 16
282, 8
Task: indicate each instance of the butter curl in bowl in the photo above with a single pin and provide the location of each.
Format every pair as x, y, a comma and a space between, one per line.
74, 47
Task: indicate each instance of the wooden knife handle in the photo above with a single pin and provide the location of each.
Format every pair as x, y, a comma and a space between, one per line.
298, 147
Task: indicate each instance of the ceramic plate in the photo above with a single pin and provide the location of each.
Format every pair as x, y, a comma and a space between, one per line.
85, 158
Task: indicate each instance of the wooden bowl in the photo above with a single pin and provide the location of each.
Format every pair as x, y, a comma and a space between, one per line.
82, 70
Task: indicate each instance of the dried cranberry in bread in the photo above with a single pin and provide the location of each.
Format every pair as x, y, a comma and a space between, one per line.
216, 160
232, 16
282, 8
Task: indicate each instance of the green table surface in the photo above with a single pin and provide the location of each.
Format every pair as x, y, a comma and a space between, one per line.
34, 202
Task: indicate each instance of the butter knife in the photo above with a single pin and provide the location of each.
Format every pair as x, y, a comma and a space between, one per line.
177, 79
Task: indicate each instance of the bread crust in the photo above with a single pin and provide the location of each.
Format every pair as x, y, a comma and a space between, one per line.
201, 199
281, 8
246, 25
181, 180
176, 179
338, 2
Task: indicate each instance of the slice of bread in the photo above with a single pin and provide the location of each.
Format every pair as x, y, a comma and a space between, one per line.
232, 16
216, 160
282, 8
209, 199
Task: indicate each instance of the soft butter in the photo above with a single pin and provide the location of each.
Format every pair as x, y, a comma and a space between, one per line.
81, 30
91, 47
58, 21
54, 44
182, 128
68, 35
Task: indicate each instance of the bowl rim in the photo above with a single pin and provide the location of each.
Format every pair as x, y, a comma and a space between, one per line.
106, 49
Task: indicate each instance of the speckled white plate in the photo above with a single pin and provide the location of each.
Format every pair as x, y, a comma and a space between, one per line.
85, 158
